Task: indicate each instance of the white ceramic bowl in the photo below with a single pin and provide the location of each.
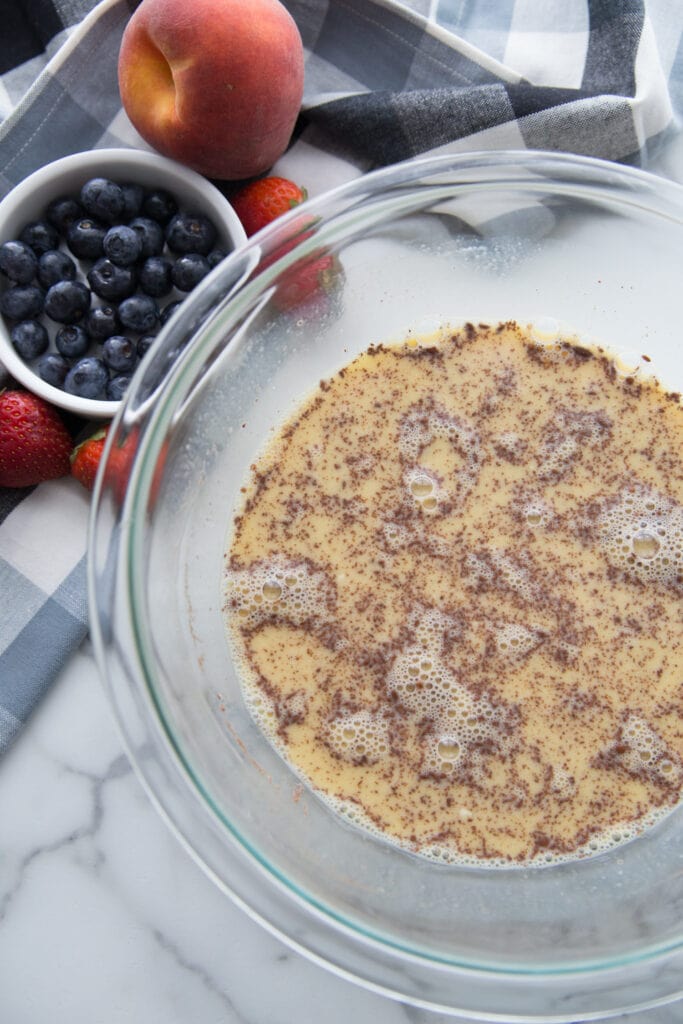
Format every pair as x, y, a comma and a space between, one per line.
30, 198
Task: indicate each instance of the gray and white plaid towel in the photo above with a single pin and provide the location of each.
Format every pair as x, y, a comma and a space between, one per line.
385, 81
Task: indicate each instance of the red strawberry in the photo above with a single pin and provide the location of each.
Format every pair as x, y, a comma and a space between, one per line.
261, 201
299, 234
119, 465
309, 284
85, 458
34, 442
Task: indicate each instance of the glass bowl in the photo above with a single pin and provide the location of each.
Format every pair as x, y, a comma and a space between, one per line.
539, 238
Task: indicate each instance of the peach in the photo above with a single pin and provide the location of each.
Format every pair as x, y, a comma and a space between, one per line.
213, 84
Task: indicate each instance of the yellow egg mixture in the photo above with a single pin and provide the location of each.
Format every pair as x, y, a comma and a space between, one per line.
455, 594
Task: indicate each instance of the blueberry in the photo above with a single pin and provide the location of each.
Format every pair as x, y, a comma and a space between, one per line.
72, 341
40, 235
22, 302
160, 205
103, 199
18, 261
122, 245
53, 266
190, 232
101, 322
53, 368
139, 313
62, 212
144, 344
216, 256
111, 282
85, 237
151, 235
132, 197
29, 338
87, 378
188, 270
168, 311
155, 277
117, 387
119, 353
67, 302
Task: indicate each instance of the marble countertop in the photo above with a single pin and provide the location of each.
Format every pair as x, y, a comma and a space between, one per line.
106, 919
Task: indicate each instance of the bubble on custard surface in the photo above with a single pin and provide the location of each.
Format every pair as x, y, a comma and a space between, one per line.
414, 435
479, 568
641, 532
396, 536
443, 753
562, 782
510, 446
516, 641
428, 690
432, 627
423, 425
422, 687
536, 513
423, 486
566, 436
271, 590
361, 737
545, 330
261, 707
641, 751
295, 591
645, 544
292, 708
557, 456
627, 362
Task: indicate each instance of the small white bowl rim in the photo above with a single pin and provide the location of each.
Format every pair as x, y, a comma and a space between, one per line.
111, 159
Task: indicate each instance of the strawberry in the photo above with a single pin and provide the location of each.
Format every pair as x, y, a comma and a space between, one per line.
309, 284
85, 458
34, 442
261, 201
119, 465
298, 235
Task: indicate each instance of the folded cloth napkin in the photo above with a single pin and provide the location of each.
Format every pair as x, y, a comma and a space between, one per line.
385, 81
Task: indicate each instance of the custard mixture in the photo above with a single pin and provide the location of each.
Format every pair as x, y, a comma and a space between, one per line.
454, 590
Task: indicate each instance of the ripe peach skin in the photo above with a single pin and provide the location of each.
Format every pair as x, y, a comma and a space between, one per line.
213, 84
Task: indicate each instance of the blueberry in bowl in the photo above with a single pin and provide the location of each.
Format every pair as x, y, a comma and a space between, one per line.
53, 266
29, 338
122, 245
72, 341
111, 281
88, 252
67, 302
18, 261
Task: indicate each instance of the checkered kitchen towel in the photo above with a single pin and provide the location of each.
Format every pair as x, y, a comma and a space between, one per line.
385, 81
